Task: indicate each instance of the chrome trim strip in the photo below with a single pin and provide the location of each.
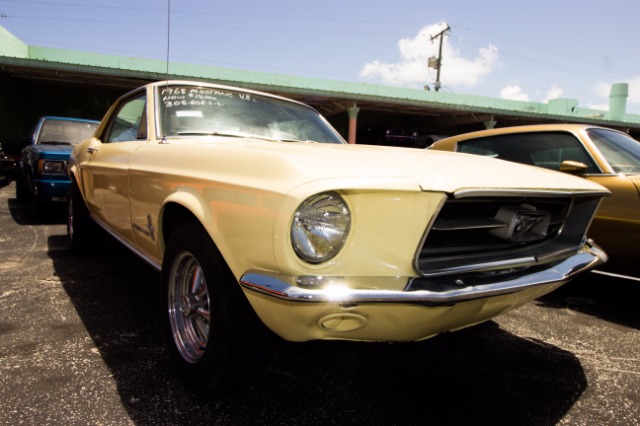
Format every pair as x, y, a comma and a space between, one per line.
462, 224
432, 221
485, 266
343, 289
509, 263
600, 174
611, 274
501, 193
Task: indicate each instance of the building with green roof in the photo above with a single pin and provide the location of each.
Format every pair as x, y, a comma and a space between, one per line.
40, 81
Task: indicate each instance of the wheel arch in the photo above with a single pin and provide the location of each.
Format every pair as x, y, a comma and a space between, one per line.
73, 181
172, 215
180, 209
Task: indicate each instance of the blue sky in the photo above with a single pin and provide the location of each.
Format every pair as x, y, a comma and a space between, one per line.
528, 50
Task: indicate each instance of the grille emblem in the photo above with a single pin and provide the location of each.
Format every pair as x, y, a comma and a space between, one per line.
521, 223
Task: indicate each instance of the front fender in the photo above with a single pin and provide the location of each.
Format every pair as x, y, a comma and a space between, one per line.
241, 227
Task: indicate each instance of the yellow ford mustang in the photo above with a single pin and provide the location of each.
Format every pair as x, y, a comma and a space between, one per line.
262, 219
606, 156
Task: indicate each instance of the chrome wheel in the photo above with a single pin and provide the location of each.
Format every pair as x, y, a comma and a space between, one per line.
188, 305
215, 340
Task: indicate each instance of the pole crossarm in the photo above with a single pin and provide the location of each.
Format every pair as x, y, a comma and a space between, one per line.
439, 61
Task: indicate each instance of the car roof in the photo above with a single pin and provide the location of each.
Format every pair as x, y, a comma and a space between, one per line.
446, 143
220, 87
55, 117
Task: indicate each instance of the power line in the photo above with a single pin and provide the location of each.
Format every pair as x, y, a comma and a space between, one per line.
563, 54
289, 29
306, 30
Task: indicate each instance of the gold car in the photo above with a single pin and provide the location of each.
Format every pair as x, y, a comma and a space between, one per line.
606, 156
262, 219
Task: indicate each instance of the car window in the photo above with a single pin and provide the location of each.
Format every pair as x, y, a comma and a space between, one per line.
65, 131
621, 151
129, 123
542, 149
188, 110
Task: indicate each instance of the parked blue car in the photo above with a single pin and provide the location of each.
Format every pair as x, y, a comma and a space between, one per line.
41, 173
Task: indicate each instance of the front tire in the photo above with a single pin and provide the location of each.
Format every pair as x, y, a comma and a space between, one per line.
42, 206
216, 341
22, 191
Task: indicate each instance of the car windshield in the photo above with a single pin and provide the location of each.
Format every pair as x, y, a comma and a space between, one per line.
541, 149
189, 110
621, 151
67, 132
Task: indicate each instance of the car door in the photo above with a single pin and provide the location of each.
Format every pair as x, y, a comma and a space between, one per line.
616, 227
107, 169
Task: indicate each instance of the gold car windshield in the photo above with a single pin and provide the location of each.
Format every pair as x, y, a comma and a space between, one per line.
541, 149
195, 111
621, 151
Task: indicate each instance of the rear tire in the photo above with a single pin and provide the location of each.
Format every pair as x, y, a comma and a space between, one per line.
215, 339
83, 233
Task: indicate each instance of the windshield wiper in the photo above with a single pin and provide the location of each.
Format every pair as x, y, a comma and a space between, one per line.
206, 133
55, 143
242, 135
228, 134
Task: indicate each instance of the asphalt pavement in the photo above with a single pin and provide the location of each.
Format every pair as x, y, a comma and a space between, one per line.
80, 345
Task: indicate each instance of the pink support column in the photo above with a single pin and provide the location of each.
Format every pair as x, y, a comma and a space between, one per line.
353, 122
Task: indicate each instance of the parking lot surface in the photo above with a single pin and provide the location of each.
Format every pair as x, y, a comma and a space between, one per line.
80, 344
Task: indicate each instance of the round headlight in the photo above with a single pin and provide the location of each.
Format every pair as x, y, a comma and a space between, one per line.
320, 227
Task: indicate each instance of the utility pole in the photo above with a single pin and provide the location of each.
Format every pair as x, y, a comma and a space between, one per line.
437, 62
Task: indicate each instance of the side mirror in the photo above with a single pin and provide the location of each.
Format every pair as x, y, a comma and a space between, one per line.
573, 167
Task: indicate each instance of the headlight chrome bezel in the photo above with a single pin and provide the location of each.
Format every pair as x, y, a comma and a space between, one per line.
320, 227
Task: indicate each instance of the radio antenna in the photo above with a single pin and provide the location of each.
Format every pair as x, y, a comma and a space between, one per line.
168, 34
164, 124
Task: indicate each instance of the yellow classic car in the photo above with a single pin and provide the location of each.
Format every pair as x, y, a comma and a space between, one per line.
606, 156
261, 219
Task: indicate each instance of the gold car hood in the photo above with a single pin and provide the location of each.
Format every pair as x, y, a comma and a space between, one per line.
636, 181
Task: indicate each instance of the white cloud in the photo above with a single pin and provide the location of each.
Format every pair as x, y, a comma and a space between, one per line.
604, 107
412, 68
553, 93
514, 93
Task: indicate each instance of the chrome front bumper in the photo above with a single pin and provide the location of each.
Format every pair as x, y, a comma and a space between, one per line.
443, 290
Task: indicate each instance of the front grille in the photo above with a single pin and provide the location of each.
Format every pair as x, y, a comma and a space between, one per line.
472, 233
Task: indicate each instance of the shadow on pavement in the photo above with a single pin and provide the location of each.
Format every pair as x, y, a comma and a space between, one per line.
479, 375
25, 214
611, 299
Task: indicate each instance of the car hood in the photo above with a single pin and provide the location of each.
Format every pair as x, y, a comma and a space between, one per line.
292, 164
636, 181
53, 148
